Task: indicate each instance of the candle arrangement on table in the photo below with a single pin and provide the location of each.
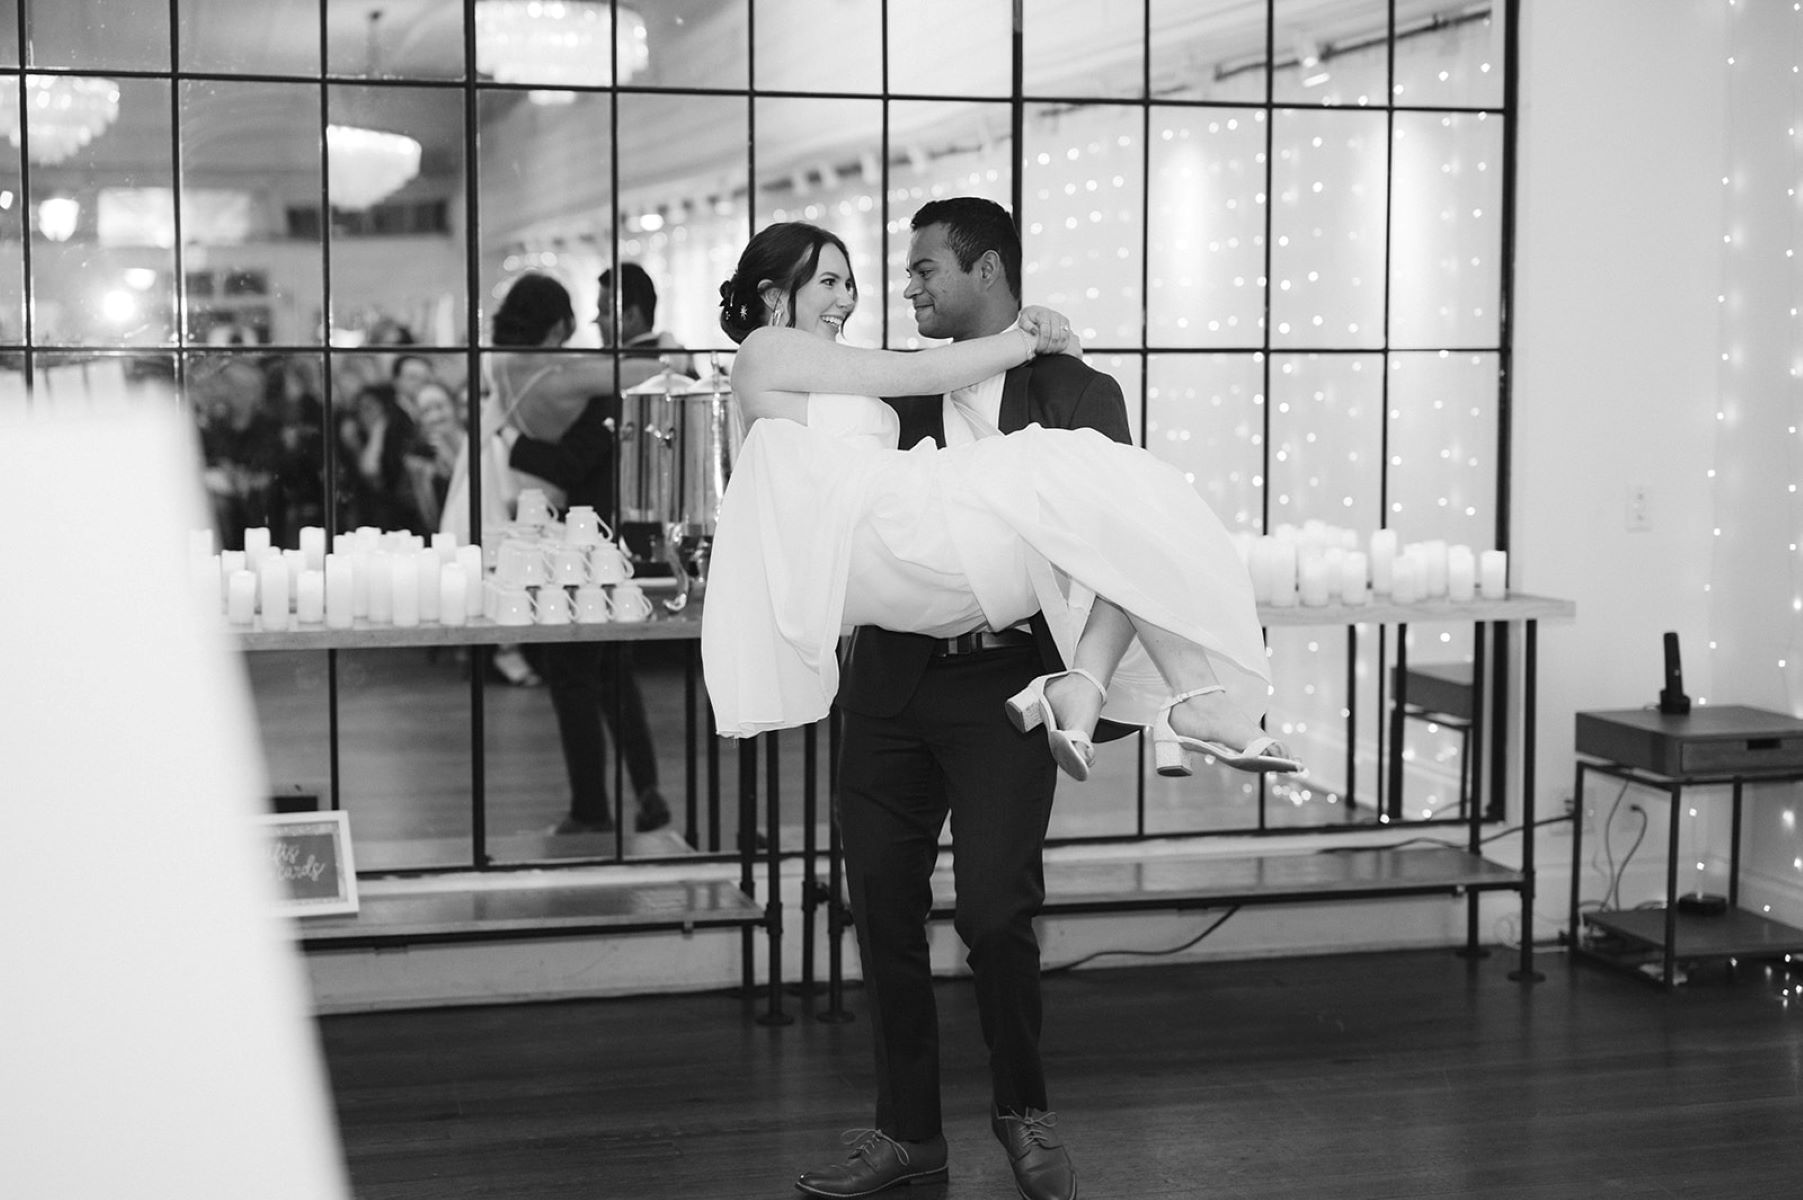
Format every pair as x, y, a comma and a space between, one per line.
540, 570
1316, 564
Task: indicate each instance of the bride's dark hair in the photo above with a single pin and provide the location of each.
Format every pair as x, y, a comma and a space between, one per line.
533, 306
784, 255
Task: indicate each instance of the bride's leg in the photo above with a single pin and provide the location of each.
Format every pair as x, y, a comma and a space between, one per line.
1185, 667
1100, 647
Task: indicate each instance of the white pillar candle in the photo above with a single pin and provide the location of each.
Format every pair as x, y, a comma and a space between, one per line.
362, 565
446, 545
381, 589
296, 561
405, 605
1433, 582
310, 598
1406, 577
273, 590
470, 559
426, 564
1316, 581
1383, 559
231, 562
1353, 564
1283, 573
340, 591
453, 594
1493, 574
241, 598
256, 540
200, 542
1461, 574
313, 545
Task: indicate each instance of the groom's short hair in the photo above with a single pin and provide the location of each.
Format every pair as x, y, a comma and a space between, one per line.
974, 226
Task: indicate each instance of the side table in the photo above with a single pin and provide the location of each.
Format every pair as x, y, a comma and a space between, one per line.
1729, 744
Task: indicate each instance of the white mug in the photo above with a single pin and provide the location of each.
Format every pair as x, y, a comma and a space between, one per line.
630, 604
521, 563
534, 509
591, 605
551, 606
583, 527
608, 563
568, 565
513, 606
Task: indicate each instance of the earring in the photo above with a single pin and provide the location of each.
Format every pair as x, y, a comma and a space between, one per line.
780, 314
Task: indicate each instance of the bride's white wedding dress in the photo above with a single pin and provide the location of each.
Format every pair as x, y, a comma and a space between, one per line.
828, 525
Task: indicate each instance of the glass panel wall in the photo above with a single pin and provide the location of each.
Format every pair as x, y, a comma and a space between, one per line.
1279, 225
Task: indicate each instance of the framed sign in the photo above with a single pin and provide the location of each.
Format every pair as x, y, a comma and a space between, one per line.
309, 856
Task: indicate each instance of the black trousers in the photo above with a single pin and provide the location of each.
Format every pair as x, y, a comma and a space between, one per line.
951, 750
589, 682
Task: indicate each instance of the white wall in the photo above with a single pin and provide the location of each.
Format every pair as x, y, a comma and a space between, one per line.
1619, 338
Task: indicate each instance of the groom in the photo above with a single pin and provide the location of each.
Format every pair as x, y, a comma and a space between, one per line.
925, 734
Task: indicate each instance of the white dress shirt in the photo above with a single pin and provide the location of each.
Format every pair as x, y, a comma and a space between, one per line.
972, 413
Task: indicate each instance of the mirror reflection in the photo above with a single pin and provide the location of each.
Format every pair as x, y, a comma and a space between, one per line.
331, 284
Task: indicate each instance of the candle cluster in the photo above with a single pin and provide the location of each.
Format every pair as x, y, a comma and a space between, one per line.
1317, 564
535, 570
385, 577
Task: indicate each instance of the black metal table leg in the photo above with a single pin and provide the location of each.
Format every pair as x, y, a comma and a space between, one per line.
1526, 973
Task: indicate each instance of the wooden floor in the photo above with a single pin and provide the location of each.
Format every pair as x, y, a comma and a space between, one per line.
1386, 1076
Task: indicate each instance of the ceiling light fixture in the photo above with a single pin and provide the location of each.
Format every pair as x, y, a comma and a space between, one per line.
367, 165
64, 113
560, 43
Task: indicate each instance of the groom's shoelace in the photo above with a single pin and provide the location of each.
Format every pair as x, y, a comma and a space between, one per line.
867, 1142
1038, 1129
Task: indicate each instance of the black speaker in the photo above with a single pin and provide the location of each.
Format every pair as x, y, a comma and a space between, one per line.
1672, 700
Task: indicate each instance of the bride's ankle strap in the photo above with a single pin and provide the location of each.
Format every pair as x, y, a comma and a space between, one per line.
1212, 688
1100, 686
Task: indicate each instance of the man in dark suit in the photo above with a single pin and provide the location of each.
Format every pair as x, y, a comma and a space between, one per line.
925, 734
595, 680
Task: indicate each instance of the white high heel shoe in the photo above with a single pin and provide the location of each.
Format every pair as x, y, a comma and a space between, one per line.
1171, 750
1028, 709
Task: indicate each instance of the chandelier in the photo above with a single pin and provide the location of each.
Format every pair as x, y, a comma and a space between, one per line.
560, 43
367, 165
66, 112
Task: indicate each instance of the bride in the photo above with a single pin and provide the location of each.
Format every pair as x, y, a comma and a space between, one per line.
827, 524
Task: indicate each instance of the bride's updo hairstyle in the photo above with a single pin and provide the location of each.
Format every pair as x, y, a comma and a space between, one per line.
784, 255
533, 306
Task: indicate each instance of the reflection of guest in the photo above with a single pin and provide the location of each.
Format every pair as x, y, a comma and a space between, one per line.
433, 455
376, 438
295, 392
241, 442
589, 681
409, 374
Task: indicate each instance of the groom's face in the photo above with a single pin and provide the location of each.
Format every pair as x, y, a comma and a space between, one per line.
947, 299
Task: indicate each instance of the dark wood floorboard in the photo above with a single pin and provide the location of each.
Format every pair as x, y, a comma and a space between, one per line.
1390, 1077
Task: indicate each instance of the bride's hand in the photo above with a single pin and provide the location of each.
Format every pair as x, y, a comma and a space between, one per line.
1050, 329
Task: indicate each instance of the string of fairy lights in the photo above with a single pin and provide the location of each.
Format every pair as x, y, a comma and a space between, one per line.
1758, 450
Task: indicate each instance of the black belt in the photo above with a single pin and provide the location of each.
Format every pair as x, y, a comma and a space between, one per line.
982, 639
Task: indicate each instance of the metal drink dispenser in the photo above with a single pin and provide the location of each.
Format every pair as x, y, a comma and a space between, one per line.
703, 444
647, 432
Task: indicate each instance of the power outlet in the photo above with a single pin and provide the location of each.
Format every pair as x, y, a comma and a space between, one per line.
1640, 508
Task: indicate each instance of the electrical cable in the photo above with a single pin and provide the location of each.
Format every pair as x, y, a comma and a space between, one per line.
1609, 875
1075, 963
1434, 841
1629, 856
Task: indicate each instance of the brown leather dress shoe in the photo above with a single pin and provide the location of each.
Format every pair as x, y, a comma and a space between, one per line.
1042, 1169
877, 1161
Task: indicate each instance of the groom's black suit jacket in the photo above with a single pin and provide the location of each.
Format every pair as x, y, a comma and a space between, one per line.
882, 667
